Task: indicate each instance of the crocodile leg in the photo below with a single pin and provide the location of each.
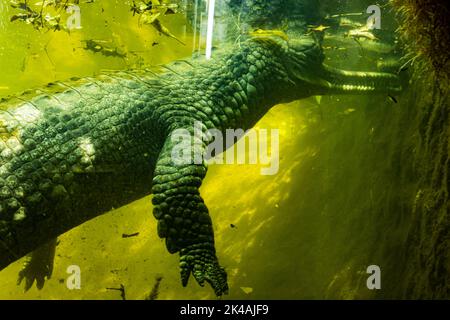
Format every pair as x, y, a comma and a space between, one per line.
183, 218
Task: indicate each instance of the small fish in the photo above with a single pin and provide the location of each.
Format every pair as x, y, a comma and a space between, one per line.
233, 226
155, 44
103, 47
320, 28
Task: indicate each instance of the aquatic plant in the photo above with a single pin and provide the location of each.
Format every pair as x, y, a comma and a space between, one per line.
424, 30
45, 15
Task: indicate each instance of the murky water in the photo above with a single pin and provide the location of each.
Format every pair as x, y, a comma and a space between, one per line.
335, 207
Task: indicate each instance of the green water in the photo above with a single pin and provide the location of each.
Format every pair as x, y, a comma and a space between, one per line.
341, 201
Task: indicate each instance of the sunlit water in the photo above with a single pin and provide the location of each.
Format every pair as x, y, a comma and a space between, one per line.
307, 232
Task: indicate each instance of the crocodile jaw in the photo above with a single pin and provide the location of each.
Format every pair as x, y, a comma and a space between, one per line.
335, 81
304, 64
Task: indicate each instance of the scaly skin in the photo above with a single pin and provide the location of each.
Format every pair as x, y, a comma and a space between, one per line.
71, 156
274, 14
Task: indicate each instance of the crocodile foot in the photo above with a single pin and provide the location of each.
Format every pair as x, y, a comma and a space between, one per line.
201, 261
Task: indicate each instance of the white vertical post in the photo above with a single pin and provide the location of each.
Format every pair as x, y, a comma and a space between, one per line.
210, 28
194, 44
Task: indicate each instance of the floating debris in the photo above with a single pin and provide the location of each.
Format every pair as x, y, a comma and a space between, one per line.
247, 290
150, 11
38, 15
121, 289
141, 8
103, 47
319, 28
392, 98
124, 235
153, 295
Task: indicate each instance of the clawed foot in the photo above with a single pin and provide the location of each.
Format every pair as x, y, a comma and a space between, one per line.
200, 259
38, 266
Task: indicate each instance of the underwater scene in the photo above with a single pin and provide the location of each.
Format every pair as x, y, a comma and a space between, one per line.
232, 149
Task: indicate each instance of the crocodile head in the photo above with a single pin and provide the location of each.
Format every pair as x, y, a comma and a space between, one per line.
302, 59
304, 62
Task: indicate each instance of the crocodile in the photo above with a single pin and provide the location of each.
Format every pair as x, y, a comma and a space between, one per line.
87, 146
